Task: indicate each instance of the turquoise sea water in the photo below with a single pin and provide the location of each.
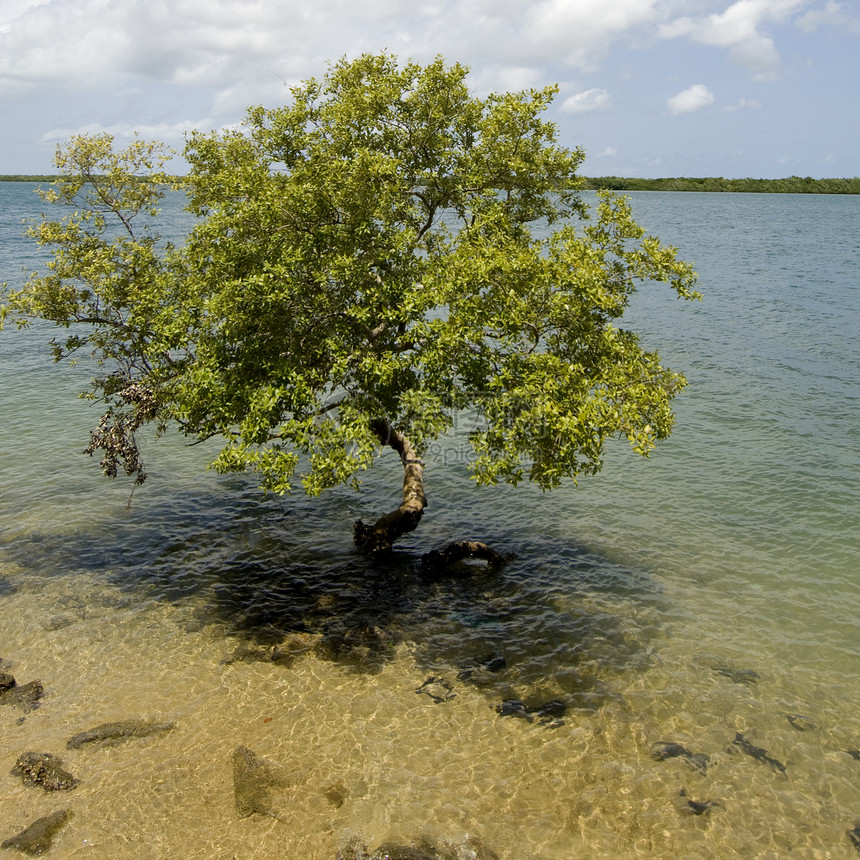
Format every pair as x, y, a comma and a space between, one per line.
644, 599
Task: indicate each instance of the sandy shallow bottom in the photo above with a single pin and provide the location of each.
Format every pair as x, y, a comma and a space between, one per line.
404, 765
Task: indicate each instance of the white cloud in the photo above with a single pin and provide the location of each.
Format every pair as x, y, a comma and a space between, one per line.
579, 32
13, 9
607, 153
171, 133
833, 15
238, 45
498, 78
691, 99
759, 56
739, 23
589, 100
739, 30
80, 43
815, 18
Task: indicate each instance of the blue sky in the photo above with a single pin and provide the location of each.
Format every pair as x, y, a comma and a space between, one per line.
764, 88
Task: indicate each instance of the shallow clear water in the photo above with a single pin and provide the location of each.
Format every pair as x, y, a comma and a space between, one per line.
633, 599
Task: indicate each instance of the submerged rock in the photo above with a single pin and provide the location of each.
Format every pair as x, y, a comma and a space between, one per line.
547, 713
336, 794
739, 676
695, 807
249, 653
758, 753
514, 708
45, 771
39, 836
293, 646
422, 849
354, 849
25, 696
699, 761
254, 779
111, 733
483, 671
7, 681
390, 851
363, 647
438, 689
800, 722
854, 836
549, 710
669, 749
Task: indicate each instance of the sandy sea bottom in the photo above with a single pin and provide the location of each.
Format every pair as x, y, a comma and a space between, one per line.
398, 765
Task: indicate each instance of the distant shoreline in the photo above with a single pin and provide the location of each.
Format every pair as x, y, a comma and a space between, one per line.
788, 185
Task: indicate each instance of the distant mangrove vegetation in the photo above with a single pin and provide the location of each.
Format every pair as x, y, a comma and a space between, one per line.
23, 177
789, 185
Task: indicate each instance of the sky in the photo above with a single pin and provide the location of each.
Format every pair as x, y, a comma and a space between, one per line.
649, 88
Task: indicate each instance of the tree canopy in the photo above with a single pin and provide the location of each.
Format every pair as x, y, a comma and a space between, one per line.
384, 250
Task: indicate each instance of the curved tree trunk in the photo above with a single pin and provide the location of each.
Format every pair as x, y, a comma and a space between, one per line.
380, 536
405, 518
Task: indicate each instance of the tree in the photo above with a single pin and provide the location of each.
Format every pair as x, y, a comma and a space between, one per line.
383, 251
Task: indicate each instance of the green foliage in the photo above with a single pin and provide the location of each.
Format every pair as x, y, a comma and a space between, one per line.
384, 247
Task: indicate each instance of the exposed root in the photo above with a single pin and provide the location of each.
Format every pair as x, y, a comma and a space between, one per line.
438, 559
